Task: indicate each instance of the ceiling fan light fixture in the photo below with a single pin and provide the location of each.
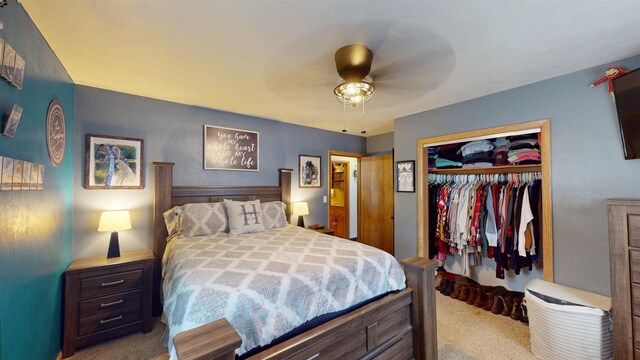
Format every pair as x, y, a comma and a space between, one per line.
354, 93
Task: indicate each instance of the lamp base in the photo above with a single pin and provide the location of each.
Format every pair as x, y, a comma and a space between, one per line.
301, 221
114, 246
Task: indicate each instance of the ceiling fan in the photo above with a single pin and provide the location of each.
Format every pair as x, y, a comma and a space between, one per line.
353, 63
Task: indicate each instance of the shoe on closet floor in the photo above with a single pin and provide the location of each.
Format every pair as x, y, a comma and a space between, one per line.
473, 292
481, 297
456, 291
516, 313
507, 300
449, 289
438, 281
498, 305
464, 293
524, 318
488, 302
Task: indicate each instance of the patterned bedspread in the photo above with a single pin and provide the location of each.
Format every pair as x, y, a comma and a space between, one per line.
268, 283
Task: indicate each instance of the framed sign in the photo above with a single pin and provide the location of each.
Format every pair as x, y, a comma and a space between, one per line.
405, 176
114, 162
231, 149
309, 175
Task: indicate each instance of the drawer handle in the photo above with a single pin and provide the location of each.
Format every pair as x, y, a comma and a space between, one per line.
112, 283
110, 320
111, 303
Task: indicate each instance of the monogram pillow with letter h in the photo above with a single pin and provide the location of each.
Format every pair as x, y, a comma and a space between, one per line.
244, 216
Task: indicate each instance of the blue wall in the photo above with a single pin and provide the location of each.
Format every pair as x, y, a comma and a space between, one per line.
35, 226
587, 165
174, 132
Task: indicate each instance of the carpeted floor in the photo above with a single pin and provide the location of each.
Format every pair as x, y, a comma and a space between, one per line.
464, 333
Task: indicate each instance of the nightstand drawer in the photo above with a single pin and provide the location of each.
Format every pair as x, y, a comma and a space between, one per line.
109, 284
109, 321
109, 304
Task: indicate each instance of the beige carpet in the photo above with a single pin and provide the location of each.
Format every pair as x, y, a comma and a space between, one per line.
464, 333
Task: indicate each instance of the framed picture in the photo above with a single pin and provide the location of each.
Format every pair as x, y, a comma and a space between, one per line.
9, 60
1, 53
17, 175
405, 176
11, 122
231, 149
18, 73
114, 162
7, 173
310, 174
33, 183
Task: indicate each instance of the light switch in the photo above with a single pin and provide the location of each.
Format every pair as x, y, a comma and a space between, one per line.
324, 199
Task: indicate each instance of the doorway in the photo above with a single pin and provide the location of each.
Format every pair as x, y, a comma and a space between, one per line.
343, 194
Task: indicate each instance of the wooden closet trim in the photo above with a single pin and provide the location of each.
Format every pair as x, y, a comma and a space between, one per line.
545, 147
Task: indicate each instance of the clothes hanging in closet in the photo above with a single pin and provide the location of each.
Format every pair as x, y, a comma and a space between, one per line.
495, 218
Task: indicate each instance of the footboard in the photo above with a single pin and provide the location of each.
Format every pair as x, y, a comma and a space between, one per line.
401, 325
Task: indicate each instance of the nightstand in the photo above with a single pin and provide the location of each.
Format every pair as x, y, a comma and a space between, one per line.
105, 298
322, 230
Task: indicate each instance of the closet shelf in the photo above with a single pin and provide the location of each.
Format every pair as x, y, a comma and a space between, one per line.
508, 169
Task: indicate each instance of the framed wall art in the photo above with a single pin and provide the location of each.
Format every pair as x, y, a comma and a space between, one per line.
8, 62
231, 149
114, 162
18, 72
12, 121
310, 173
55, 130
405, 176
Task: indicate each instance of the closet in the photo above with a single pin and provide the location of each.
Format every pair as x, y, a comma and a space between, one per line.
526, 176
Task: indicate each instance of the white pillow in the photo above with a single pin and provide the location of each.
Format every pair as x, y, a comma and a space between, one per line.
244, 216
273, 215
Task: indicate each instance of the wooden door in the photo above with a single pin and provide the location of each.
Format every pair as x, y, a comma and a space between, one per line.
339, 199
376, 202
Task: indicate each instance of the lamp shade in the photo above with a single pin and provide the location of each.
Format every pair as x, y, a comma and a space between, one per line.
114, 221
301, 208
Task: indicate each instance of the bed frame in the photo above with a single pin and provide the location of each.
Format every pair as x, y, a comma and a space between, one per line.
401, 325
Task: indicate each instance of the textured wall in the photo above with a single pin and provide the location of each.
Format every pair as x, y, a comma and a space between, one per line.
587, 162
35, 226
380, 144
174, 133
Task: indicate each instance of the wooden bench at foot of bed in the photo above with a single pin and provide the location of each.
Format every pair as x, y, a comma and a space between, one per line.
401, 325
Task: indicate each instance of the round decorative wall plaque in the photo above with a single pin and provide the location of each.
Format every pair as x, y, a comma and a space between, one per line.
56, 134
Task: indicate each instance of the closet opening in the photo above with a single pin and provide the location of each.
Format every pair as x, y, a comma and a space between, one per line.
343, 194
519, 175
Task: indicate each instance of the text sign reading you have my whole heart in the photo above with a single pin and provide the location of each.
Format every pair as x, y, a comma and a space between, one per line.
230, 149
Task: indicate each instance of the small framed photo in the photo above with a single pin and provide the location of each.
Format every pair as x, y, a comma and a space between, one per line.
18, 73
7, 174
114, 162
40, 177
405, 176
12, 121
310, 174
1, 53
26, 175
33, 182
17, 175
8, 62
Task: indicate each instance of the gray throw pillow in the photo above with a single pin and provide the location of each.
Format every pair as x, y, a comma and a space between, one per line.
203, 219
273, 214
244, 216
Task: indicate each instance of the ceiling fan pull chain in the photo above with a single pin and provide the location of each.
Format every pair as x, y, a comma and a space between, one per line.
363, 130
344, 117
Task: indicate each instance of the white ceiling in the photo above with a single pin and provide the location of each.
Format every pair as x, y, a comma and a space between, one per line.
274, 59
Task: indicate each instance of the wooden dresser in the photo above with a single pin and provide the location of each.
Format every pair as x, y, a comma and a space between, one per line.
624, 252
104, 298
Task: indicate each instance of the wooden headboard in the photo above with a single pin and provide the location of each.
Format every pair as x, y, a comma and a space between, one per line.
167, 196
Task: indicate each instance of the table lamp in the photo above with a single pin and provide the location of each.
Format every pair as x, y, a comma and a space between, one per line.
114, 221
301, 209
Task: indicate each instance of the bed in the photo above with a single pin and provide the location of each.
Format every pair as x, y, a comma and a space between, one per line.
385, 321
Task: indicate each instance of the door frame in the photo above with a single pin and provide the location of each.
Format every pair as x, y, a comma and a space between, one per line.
348, 203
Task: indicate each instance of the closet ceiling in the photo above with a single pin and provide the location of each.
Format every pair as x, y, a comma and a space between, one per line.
275, 59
